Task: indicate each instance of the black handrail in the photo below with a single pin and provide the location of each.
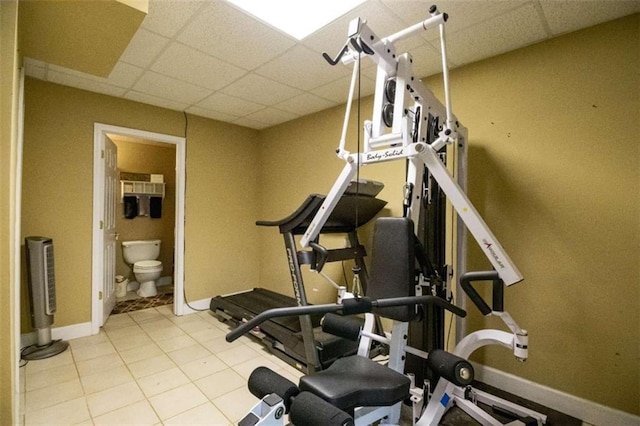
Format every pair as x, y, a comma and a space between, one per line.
348, 307
498, 290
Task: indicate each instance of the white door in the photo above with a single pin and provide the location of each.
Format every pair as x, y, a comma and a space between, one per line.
109, 228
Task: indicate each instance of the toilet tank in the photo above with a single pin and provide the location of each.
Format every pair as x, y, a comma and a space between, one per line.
135, 251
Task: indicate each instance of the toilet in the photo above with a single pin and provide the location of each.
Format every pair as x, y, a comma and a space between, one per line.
142, 255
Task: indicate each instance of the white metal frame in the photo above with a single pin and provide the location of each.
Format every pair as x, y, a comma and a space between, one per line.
382, 145
446, 394
406, 143
99, 135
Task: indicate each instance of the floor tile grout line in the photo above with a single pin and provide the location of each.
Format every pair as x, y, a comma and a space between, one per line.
119, 352
191, 381
84, 394
176, 365
132, 376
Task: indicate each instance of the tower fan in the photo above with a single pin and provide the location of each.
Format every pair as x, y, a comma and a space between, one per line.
42, 294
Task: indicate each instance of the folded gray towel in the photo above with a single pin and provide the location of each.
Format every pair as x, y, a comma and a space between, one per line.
143, 205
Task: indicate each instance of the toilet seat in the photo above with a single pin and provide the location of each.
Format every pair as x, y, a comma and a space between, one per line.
147, 265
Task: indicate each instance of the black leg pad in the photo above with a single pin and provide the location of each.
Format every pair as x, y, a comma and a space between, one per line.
311, 410
348, 327
264, 381
457, 370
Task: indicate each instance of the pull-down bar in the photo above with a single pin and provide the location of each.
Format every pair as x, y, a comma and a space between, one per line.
348, 307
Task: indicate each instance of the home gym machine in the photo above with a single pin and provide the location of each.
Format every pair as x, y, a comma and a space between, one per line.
300, 341
356, 389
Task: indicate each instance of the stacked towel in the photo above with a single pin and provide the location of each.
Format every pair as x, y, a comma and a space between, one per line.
130, 206
156, 207
143, 205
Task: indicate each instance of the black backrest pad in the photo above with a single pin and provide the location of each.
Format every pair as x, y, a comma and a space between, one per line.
392, 271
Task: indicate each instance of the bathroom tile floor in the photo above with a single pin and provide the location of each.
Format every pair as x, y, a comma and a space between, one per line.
147, 367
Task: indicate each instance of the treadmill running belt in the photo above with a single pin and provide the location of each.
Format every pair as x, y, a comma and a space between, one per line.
259, 300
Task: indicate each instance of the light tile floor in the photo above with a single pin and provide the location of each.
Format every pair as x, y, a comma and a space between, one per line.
148, 367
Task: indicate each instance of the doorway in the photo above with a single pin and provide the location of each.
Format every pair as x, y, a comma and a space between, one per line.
145, 169
102, 135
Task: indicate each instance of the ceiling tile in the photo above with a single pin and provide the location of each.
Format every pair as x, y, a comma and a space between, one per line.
229, 105
187, 64
168, 17
55, 76
427, 61
271, 116
215, 115
507, 32
143, 48
303, 68
566, 16
338, 91
169, 88
412, 45
245, 122
221, 30
305, 103
371, 73
259, 89
124, 75
145, 98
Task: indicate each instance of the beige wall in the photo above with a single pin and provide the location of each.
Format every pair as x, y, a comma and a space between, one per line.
554, 169
57, 191
222, 192
148, 158
9, 60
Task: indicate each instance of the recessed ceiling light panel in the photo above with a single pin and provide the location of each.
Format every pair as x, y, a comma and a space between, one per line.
298, 18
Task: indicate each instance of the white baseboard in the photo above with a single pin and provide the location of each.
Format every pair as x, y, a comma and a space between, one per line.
588, 411
197, 305
76, 331
65, 333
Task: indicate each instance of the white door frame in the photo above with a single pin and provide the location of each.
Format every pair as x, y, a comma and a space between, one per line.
17, 246
99, 135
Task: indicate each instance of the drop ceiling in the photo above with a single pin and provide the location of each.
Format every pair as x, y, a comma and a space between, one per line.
210, 59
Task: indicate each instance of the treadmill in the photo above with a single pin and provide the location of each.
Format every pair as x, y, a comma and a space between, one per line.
300, 341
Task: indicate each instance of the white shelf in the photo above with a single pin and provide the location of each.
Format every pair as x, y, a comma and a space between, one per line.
132, 187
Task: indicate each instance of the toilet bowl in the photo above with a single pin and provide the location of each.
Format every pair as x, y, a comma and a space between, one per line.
141, 255
147, 272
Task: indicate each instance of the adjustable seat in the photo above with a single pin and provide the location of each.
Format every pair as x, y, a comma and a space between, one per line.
356, 381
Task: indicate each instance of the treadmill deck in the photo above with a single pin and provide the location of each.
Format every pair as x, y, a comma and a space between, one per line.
282, 336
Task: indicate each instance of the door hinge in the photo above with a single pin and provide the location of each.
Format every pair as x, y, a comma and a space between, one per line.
99, 295
101, 225
102, 154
